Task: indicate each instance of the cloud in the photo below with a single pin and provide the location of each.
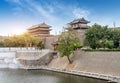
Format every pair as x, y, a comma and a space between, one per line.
40, 10
79, 13
54, 13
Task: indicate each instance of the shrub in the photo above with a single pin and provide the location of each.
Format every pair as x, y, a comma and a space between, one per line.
109, 44
1, 44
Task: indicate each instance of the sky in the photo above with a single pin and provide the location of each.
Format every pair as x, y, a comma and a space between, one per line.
18, 15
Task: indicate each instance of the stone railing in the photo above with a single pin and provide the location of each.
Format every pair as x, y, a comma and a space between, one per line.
4, 49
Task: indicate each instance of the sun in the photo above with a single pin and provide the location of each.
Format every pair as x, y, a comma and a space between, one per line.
17, 31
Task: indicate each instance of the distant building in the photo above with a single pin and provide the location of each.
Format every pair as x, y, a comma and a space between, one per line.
41, 30
78, 24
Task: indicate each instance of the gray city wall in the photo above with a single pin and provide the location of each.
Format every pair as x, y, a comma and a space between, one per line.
49, 40
95, 62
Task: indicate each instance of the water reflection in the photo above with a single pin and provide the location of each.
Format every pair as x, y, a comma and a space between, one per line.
41, 76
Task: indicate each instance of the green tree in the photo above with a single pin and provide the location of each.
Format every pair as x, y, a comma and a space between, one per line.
24, 40
67, 43
116, 37
40, 45
96, 35
1, 44
7, 42
109, 44
30, 41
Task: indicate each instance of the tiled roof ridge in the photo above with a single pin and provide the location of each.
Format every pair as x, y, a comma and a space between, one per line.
79, 20
40, 25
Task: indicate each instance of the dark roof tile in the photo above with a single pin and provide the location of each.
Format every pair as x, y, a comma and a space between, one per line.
81, 20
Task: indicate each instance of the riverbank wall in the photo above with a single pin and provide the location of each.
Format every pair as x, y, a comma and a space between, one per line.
97, 62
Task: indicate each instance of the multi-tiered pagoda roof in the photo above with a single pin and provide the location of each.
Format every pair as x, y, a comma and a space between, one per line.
42, 30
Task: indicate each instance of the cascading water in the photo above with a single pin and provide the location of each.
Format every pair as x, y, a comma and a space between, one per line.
7, 60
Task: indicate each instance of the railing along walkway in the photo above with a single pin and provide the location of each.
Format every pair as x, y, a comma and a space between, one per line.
75, 72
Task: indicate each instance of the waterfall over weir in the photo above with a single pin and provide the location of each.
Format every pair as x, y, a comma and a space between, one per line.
8, 60
34, 58
23, 58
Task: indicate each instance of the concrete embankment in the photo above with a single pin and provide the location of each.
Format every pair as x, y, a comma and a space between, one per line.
34, 58
16, 59
104, 65
115, 79
100, 64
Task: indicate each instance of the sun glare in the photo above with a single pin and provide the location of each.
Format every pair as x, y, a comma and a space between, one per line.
17, 32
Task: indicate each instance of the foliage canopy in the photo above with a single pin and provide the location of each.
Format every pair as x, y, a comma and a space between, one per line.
67, 43
24, 40
98, 36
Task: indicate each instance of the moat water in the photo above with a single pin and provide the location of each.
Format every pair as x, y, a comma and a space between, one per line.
42, 76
